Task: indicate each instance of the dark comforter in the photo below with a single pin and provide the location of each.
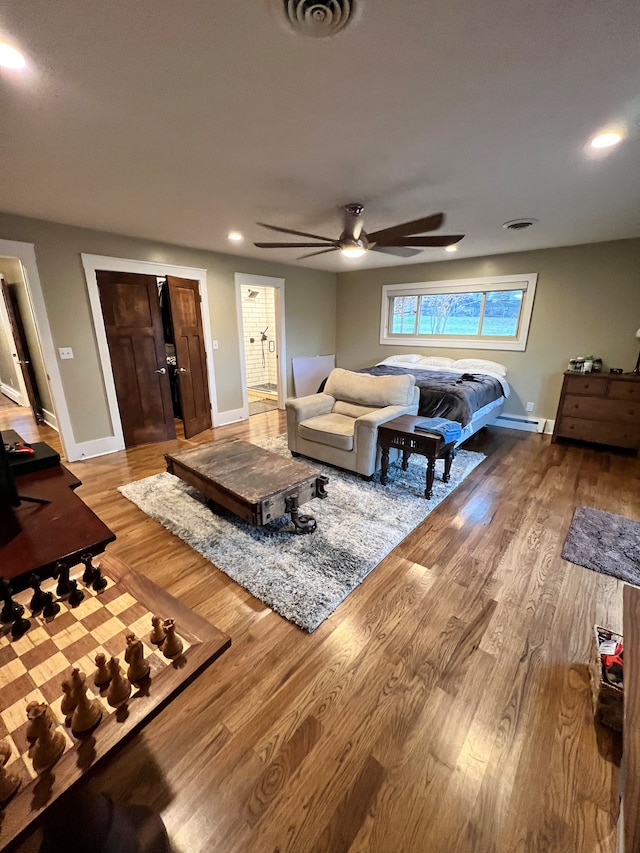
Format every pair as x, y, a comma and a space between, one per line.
444, 394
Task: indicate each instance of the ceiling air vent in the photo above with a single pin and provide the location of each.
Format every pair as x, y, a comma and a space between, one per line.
315, 18
518, 224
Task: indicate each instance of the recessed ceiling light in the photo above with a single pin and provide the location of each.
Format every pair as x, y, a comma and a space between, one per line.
451, 248
606, 140
235, 237
10, 57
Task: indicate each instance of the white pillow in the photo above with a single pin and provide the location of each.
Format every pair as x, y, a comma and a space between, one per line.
406, 358
436, 361
479, 365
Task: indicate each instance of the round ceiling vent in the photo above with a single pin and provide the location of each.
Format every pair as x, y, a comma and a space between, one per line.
518, 224
315, 18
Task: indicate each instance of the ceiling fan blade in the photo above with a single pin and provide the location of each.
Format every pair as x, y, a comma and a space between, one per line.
291, 245
323, 252
399, 251
298, 233
416, 226
440, 240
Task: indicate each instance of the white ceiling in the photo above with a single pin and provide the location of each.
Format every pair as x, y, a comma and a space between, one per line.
181, 121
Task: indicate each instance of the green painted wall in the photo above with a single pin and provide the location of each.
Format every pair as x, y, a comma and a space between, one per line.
587, 302
310, 309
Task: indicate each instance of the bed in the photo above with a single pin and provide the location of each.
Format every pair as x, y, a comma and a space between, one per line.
471, 391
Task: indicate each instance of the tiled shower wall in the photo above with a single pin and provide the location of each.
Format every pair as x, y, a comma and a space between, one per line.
258, 314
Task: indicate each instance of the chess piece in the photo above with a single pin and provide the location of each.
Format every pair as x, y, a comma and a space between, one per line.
64, 584
34, 720
9, 782
11, 609
50, 743
88, 712
120, 687
134, 656
20, 627
99, 583
88, 576
51, 607
37, 600
69, 700
172, 646
157, 632
102, 675
76, 595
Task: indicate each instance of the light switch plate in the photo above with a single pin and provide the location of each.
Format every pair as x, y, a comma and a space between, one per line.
65, 352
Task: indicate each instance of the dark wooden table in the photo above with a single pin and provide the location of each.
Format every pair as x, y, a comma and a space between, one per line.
34, 537
401, 434
203, 644
254, 484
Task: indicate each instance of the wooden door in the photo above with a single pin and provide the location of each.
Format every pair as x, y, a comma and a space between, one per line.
22, 353
188, 337
131, 312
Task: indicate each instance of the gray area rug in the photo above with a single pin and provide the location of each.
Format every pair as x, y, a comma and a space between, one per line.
303, 577
605, 543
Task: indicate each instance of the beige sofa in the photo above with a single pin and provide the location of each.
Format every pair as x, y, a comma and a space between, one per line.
340, 425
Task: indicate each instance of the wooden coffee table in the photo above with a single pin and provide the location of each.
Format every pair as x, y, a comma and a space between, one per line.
254, 484
401, 434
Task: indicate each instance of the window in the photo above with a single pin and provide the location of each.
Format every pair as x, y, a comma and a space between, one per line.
478, 313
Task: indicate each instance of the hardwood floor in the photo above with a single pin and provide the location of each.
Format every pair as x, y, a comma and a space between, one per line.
445, 706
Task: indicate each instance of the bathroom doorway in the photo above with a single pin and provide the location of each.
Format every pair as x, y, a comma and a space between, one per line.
260, 315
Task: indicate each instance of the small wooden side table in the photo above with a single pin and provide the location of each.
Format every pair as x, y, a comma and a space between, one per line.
401, 434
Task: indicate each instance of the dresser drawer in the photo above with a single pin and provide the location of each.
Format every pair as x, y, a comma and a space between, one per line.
601, 432
624, 390
600, 409
589, 384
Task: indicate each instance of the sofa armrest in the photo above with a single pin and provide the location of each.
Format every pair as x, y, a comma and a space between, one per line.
310, 406
366, 433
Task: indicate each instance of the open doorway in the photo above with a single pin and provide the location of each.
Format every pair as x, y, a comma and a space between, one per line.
260, 359
23, 375
260, 303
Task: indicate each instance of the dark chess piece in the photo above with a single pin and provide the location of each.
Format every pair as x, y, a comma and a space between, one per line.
20, 627
76, 595
64, 585
38, 600
51, 608
11, 609
99, 583
89, 574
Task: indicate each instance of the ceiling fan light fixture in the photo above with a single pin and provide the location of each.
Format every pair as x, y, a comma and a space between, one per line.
353, 249
451, 248
606, 140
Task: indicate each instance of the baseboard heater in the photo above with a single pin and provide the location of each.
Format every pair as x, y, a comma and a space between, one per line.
529, 424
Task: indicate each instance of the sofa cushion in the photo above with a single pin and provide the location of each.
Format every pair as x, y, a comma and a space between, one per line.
333, 430
367, 390
351, 410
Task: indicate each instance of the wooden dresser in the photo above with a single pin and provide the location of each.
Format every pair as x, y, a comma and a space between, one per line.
600, 407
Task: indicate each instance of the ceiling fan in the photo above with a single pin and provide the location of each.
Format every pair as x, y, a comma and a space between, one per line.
400, 240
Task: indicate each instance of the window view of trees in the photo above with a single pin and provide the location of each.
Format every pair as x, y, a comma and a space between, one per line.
495, 313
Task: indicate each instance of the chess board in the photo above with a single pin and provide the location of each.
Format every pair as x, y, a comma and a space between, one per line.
33, 667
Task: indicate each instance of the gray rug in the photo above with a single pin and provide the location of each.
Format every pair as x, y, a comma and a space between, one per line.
304, 577
605, 543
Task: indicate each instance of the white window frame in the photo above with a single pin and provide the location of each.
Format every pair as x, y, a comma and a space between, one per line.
526, 283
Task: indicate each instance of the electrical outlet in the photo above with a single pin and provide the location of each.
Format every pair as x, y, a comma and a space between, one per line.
530, 407
215, 344
65, 352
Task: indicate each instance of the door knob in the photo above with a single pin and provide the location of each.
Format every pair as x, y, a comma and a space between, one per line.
162, 370
182, 369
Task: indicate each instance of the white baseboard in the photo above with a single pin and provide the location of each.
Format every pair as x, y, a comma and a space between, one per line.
89, 449
11, 393
231, 416
549, 427
50, 419
527, 423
